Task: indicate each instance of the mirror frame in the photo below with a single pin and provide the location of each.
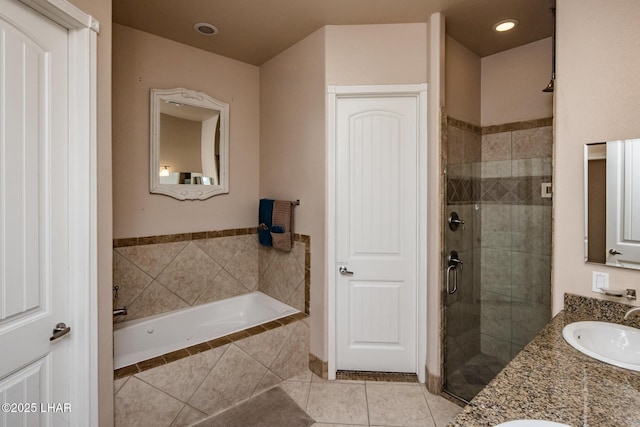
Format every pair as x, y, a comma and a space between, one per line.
196, 99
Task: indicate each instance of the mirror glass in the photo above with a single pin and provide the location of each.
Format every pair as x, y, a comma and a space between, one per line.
612, 203
189, 144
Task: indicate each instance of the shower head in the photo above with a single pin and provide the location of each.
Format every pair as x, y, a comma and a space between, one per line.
551, 84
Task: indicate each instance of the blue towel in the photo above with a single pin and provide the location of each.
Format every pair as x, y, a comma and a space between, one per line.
265, 212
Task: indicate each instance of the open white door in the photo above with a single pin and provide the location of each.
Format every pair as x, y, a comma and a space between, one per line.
47, 222
623, 203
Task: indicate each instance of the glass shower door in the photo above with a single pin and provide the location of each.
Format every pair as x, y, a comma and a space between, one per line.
493, 184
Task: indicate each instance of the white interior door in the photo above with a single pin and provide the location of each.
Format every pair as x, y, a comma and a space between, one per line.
623, 203
376, 232
34, 216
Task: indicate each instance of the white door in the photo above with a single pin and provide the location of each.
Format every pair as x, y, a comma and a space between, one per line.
34, 215
623, 203
376, 232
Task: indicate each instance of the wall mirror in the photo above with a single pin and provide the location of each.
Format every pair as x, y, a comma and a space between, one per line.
189, 144
612, 203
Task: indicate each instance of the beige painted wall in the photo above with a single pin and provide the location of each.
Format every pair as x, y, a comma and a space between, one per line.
462, 82
101, 10
137, 67
292, 152
180, 144
597, 99
512, 84
376, 54
293, 90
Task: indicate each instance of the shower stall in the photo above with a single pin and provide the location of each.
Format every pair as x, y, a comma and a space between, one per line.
497, 246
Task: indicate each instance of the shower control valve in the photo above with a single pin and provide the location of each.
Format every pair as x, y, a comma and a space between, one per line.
455, 221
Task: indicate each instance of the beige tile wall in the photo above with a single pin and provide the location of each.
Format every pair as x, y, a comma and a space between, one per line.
164, 273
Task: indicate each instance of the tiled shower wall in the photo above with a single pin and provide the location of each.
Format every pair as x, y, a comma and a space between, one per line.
164, 273
496, 186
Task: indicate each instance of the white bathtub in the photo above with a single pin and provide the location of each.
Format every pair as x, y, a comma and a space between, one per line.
142, 339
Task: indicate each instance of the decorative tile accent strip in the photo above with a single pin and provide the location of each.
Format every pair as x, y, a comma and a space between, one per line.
182, 237
508, 127
205, 346
318, 366
586, 308
377, 376
463, 125
521, 190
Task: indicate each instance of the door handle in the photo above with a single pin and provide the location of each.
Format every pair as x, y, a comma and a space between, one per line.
60, 330
614, 252
343, 270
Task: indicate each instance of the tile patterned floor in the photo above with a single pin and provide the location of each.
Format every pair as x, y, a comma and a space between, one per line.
362, 403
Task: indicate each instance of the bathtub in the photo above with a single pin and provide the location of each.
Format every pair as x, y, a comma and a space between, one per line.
142, 339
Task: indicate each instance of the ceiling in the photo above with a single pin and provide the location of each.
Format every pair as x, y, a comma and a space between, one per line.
254, 31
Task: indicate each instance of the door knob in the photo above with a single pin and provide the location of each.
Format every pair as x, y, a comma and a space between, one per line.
614, 252
60, 330
343, 270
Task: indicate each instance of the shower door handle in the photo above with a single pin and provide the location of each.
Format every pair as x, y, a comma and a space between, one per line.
451, 290
453, 261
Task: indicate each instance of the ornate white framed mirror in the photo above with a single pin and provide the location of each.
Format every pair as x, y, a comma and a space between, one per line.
189, 144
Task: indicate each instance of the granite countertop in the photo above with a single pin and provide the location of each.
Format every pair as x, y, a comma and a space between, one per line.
550, 380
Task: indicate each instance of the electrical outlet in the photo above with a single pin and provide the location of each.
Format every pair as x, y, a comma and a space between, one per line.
600, 280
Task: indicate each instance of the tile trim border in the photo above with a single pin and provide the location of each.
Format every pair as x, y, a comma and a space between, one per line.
434, 383
509, 127
450, 121
505, 127
318, 366
200, 235
205, 346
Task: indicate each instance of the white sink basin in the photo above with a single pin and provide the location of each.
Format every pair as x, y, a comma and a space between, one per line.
611, 343
531, 423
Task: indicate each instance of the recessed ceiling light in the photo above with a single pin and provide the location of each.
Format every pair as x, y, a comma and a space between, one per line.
206, 29
506, 25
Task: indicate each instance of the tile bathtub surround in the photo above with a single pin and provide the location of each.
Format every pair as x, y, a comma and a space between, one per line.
158, 274
208, 345
192, 388
550, 380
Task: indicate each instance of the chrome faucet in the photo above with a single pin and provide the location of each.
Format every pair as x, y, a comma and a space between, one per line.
630, 312
118, 311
